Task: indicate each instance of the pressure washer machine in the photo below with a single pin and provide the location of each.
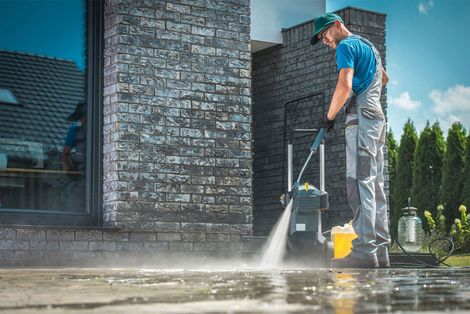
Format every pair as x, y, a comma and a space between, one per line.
308, 201
305, 238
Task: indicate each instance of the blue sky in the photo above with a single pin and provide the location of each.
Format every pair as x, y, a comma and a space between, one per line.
428, 49
52, 27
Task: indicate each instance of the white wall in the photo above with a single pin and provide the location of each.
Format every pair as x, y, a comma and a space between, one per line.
268, 17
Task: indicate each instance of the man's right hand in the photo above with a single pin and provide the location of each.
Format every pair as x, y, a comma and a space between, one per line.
327, 124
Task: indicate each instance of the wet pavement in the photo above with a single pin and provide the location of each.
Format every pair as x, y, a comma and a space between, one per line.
144, 290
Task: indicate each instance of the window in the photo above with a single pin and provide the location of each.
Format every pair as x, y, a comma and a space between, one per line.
50, 61
7, 97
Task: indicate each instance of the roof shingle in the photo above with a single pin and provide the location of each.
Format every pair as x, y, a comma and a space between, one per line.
48, 89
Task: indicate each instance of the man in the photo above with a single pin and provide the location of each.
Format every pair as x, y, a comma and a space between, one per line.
360, 80
73, 190
75, 139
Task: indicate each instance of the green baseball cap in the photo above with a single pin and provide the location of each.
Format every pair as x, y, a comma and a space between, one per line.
322, 23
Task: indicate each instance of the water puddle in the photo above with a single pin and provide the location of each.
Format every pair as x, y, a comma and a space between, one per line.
130, 290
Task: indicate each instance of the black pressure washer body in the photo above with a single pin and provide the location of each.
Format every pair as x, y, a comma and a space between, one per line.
305, 229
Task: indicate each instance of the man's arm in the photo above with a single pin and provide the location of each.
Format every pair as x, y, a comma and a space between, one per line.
69, 143
384, 77
64, 159
342, 92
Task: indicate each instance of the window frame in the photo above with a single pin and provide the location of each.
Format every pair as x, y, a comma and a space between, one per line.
92, 216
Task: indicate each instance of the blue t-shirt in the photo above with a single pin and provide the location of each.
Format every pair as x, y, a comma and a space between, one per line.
353, 53
71, 138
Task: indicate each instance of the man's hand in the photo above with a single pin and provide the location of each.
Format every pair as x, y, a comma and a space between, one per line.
65, 159
384, 77
327, 124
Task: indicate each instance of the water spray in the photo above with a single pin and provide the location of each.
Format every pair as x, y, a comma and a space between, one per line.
304, 203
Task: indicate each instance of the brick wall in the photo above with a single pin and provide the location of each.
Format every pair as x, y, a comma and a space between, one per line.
36, 246
177, 140
283, 74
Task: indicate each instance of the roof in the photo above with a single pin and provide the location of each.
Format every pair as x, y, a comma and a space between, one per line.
47, 90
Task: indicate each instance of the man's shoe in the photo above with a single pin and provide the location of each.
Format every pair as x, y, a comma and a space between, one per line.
384, 262
383, 258
353, 262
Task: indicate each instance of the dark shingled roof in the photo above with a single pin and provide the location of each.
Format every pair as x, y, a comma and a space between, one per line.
48, 90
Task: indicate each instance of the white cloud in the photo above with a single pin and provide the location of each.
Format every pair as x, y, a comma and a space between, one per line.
404, 101
424, 7
454, 99
452, 105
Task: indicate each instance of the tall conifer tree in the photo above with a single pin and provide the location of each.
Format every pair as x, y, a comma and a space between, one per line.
465, 197
392, 158
427, 172
452, 176
404, 176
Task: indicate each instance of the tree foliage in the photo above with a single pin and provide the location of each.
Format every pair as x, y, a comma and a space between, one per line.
465, 197
427, 172
392, 157
453, 168
404, 174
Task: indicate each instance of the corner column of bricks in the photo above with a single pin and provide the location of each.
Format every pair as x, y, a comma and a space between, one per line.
177, 124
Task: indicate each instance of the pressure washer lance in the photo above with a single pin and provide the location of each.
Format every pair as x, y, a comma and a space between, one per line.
313, 149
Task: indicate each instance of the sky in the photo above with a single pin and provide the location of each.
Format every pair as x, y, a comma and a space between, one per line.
428, 45
52, 28
428, 49
268, 17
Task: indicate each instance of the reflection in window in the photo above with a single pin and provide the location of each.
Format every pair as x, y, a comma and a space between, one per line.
42, 77
7, 97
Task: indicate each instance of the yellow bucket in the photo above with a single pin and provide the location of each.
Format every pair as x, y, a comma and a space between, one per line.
342, 240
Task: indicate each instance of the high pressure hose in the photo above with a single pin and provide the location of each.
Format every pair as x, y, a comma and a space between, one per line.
439, 261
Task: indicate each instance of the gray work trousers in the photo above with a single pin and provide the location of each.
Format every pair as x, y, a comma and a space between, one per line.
365, 139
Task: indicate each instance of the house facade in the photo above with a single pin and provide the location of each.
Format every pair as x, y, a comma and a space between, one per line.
183, 133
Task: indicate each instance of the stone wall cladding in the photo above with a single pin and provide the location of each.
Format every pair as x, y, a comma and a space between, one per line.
82, 247
287, 72
177, 134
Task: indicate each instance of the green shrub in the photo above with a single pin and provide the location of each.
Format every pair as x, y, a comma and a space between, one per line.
459, 232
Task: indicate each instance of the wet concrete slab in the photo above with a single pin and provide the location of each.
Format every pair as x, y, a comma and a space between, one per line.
218, 290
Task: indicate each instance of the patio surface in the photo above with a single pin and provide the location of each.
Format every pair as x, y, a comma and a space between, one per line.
145, 290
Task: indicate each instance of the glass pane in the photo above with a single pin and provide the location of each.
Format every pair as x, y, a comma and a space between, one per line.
42, 134
6, 96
